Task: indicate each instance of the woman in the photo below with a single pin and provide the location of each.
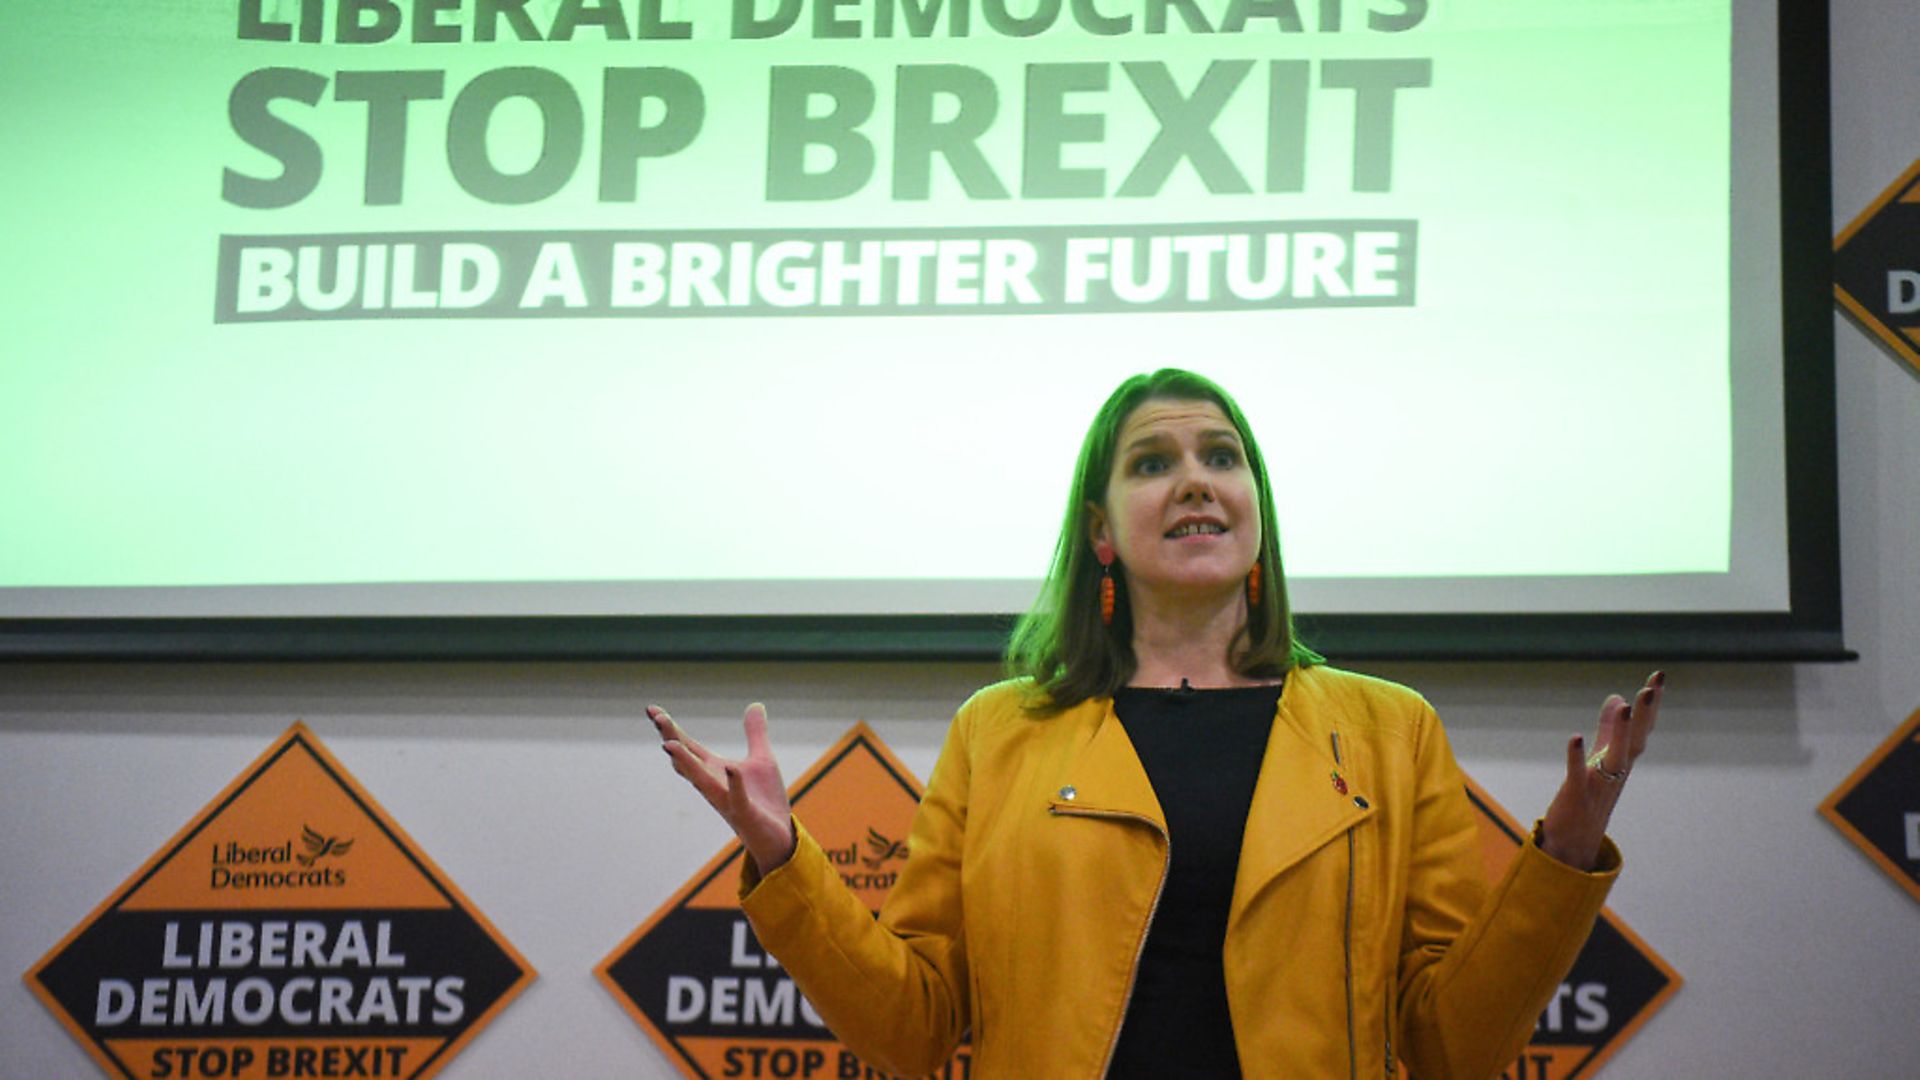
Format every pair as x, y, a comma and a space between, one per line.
1177, 843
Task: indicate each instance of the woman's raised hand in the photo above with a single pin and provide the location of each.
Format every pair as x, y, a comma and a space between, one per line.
749, 792
1576, 821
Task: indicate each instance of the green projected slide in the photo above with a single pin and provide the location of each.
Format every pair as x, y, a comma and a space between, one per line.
645, 306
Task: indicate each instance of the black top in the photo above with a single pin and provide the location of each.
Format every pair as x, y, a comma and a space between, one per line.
1202, 751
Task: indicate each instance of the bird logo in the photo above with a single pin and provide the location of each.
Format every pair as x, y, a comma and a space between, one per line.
882, 848
319, 846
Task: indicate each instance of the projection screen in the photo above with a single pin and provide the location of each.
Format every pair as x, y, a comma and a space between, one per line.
656, 327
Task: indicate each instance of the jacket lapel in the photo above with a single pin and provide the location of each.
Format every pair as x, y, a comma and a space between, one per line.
1298, 803
1106, 776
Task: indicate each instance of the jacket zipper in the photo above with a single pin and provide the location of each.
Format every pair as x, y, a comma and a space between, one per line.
1346, 935
1133, 972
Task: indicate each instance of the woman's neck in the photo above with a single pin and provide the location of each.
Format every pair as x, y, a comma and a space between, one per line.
1176, 640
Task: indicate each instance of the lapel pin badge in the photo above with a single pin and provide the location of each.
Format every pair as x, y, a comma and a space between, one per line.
1339, 782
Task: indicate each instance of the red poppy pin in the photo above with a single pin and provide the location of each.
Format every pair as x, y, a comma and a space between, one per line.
1339, 782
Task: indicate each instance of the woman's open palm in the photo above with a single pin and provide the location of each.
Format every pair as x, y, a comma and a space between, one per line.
1577, 820
748, 792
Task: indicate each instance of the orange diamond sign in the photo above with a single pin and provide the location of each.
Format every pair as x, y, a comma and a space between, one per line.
291, 929
1878, 808
1876, 267
1616, 985
697, 981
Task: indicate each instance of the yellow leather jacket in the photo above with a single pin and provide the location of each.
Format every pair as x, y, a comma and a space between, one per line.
1362, 931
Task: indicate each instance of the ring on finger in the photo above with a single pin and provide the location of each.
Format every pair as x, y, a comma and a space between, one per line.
1598, 763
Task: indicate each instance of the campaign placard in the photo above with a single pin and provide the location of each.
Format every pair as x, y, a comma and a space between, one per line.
697, 981
1876, 267
290, 930
1878, 807
1617, 983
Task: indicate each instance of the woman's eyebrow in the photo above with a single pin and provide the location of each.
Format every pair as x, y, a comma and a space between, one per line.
1161, 438
1156, 438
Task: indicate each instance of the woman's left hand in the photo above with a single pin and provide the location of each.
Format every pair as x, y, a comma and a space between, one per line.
1576, 821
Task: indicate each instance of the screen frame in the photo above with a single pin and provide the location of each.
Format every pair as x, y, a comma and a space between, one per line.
1809, 630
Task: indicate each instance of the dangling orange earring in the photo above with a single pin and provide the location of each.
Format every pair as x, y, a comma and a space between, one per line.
1253, 586
1103, 551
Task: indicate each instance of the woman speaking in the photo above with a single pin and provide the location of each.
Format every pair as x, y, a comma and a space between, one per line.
1176, 842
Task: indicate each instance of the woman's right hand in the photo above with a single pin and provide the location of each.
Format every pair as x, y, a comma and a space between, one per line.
748, 793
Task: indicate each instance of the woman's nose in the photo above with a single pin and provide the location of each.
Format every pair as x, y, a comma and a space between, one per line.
1194, 486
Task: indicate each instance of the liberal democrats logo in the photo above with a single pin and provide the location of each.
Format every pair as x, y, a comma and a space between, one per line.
280, 866
862, 863
319, 846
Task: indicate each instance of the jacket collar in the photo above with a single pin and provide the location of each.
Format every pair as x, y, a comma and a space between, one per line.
1105, 776
1298, 804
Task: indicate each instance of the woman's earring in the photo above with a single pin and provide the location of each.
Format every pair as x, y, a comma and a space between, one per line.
1103, 551
1253, 586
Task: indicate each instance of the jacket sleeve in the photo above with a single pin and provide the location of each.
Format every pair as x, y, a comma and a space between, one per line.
1477, 966
894, 989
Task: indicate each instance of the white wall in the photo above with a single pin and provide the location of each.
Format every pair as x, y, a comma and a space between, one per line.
536, 789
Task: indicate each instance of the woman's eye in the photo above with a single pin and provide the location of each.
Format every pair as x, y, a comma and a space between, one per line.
1149, 464
1223, 458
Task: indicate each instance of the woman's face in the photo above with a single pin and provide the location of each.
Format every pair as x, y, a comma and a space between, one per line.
1181, 512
